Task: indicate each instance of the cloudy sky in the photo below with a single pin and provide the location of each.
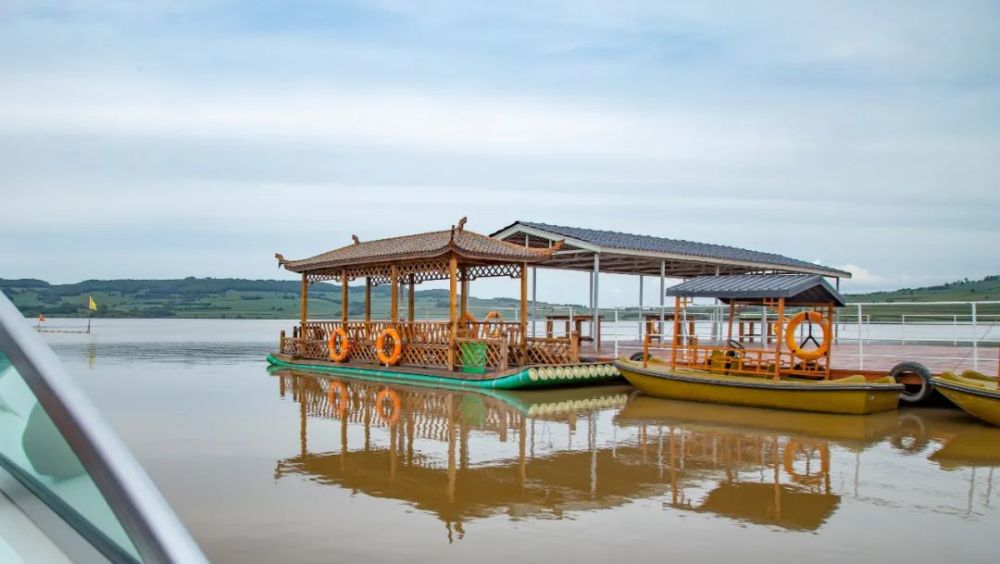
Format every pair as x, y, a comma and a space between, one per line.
167, 139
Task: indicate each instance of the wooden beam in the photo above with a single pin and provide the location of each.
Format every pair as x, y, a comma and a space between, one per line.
465, 292
779, 337
412, 283
304, 306
524, 310
368, 298
343, 298
394, 300
452, 307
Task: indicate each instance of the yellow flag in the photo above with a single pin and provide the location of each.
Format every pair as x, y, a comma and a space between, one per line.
93, 304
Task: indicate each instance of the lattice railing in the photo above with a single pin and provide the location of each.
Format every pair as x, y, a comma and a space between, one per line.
427, 343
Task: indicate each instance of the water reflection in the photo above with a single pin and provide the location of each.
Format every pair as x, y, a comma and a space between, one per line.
468, 455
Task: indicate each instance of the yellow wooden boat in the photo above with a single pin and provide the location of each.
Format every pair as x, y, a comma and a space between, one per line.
850, 395
975, 393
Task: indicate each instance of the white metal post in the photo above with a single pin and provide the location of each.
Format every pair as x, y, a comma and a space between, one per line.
616, 331
640, 306
975, 338
663, 292
861, 343
597, 307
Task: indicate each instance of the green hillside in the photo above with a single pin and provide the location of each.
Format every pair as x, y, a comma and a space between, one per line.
960, 291
216, 298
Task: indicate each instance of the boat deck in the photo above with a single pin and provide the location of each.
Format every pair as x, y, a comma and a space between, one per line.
876, 356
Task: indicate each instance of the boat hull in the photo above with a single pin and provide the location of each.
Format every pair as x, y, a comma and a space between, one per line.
853, 398
527, 378
976, 400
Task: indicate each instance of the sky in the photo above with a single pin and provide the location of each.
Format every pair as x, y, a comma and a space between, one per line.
164, 139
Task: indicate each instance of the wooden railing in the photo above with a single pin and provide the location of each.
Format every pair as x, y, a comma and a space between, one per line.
427, 343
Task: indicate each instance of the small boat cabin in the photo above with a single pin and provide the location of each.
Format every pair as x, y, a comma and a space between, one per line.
796, 344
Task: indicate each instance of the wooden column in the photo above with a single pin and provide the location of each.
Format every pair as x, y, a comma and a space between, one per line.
524, 310
412, 282
780, 331
304, 307
343, 297
368, 298
394, 300
677, 332
452, 307
465, 293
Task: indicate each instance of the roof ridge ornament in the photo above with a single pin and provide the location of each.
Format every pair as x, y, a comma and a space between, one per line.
356, 240
461, 223
281, 259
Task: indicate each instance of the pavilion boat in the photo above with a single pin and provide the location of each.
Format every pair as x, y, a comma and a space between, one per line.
460, 352
792, 372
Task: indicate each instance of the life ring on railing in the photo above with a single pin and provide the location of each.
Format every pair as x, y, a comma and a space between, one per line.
339, 353
397, 347
393, 416
493, 325
796, 346
806, 479
471, 325
341, 401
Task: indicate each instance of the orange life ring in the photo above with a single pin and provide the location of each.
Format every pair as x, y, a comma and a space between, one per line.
340, 401
806, 479
339, 354
796, 347
495, 319
397, 347
393, 415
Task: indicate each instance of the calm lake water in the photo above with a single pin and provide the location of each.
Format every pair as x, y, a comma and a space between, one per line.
281, 466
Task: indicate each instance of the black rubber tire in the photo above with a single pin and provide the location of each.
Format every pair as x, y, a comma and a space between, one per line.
636, 357
911, 395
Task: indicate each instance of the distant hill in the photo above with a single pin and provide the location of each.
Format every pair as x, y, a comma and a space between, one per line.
216, 298
959, 291
279, 299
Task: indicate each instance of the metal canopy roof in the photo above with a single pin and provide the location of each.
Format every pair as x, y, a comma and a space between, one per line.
795, 288
626, 253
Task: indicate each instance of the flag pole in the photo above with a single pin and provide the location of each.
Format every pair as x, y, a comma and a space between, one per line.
90, 317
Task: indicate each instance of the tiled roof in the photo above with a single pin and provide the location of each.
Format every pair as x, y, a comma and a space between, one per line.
629, 241
800, 288
466, 243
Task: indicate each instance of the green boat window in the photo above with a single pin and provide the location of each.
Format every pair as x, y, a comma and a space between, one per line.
35, 453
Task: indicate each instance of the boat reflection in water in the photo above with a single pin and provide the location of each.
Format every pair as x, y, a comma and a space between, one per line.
468, 455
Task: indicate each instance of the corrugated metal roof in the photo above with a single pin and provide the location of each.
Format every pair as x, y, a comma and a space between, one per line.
795, 288
629, 241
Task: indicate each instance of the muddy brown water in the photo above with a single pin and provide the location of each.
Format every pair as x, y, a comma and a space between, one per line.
291, 467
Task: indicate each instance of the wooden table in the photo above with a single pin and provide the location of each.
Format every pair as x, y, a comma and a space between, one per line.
578, 321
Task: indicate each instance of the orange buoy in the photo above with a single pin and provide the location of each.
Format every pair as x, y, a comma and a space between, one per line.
339, 344
397, 347
393, 416
807, 479
796, 347
339, 401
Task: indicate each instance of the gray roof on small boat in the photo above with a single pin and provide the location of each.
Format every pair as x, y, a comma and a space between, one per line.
795, 288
